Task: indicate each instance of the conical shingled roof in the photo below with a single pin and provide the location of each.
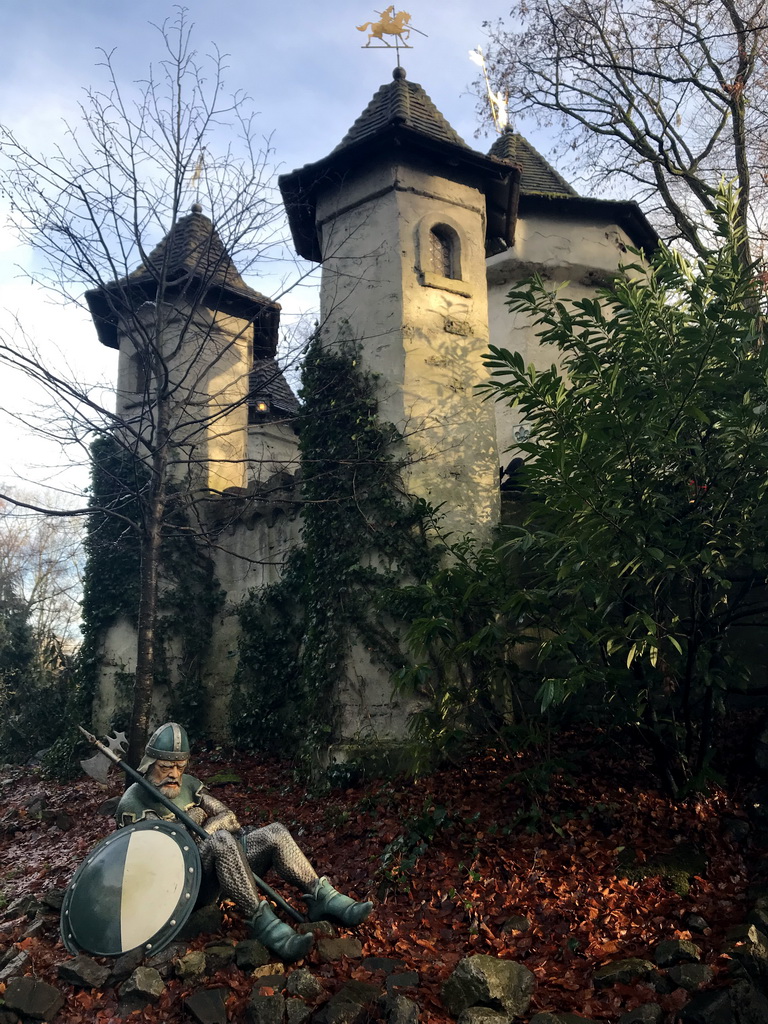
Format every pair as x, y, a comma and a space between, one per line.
539, 177
195, 261
400, 123
404, 103
266, 379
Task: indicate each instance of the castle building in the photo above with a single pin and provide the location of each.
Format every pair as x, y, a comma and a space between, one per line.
420, 238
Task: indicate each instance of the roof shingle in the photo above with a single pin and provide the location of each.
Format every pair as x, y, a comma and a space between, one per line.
538, 176
404, 103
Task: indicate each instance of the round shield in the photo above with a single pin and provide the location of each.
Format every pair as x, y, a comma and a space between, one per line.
136, 888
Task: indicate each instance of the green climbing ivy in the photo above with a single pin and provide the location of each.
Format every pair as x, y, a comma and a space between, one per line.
189, 599
362, 536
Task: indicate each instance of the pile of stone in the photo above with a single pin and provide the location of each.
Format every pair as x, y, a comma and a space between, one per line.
481, 990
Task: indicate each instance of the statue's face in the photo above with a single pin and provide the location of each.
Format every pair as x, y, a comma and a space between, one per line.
166, 775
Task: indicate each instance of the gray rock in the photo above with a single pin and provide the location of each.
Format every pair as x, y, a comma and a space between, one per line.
676, 951
124, 967
696, 923
648, 1013
219, 954
758, 916
144, 986
163, 962
303, 983
191, 966
708, 1008
561, 1018
265, 1009
36, 929
736, 829
204, 921
297, 1011
623, 971
316, 928
15, 965
352, 1004
691, 976
33, 999
749, 1005
8, 1016
482, 1015
489, 981
108, 807
403, 979
330, 950
250, 954
53, 899
400, 1010
750, 957
383, 963
207, 1005
660, 983
83, 971
516, 923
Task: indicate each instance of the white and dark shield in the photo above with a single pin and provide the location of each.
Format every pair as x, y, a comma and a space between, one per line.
136, 888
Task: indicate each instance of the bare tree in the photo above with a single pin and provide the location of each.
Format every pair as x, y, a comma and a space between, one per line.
42, 556
118, 208
660, 98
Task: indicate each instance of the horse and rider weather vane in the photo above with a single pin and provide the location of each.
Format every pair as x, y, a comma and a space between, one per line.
391, 23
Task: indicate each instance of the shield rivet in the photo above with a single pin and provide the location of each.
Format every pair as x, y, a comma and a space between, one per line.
186, 849
172, 921
187, 895
149, 945
191, 871
155, 829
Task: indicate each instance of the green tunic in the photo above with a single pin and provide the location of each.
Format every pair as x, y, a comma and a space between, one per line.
136, 802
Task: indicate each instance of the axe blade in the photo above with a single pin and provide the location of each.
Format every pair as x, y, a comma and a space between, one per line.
98, 766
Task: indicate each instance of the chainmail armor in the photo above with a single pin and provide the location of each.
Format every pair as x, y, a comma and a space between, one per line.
274, 847
223, 852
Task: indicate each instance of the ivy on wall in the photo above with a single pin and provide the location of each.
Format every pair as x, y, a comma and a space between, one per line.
362, 537
189, 599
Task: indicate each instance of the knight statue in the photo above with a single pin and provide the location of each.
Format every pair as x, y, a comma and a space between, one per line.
231, 853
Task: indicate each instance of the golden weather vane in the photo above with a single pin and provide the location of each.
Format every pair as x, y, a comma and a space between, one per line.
391, 23
498, 100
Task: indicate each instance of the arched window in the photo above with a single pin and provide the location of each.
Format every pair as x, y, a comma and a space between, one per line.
442, 254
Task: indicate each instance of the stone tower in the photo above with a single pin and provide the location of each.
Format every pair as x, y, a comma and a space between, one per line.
398, 215
210, 329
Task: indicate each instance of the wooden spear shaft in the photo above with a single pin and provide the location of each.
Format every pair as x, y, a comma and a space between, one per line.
184, 818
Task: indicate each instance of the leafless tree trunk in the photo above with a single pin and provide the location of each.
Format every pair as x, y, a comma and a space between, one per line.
95, 209
659, 99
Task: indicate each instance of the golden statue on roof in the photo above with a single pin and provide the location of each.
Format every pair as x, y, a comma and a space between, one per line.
391, 24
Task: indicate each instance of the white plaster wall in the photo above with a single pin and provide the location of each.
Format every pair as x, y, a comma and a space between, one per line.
247, 558
578, 256
424, 342
272, 448
207, 355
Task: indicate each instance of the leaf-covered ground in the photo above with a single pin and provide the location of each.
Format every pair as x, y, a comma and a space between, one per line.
449, 860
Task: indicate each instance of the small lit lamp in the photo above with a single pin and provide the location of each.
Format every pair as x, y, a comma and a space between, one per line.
260, 405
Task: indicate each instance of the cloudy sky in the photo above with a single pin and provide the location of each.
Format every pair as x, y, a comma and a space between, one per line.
301, 62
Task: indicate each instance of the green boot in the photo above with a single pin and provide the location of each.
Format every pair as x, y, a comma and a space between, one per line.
278, 936
325, 904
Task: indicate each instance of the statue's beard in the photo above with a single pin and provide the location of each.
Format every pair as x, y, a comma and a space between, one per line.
168, 788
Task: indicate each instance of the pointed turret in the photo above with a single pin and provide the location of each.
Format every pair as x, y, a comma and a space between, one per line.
537, 174
190, 263
401, 120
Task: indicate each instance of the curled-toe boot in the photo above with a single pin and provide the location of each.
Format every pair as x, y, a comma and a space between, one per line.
325, 904
278, 936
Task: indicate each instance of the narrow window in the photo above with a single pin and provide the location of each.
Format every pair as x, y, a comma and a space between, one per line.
441, 252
